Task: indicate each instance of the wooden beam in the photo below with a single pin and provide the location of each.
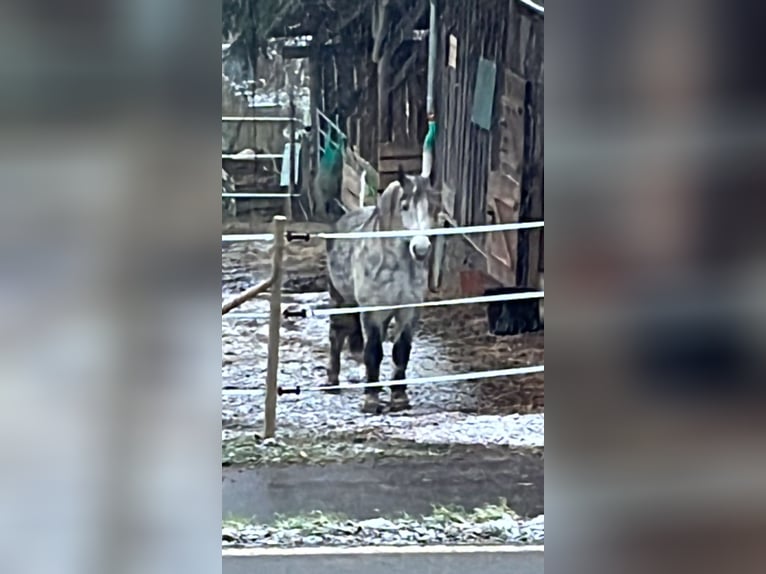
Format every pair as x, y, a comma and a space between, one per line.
385, 120
411, 164
397, 151
298, 32
289, 7
245, 296
315, 95
404, 71
296, 52
360, 9
379, 24
406, 26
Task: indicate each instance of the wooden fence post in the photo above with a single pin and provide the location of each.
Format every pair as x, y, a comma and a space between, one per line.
275, 322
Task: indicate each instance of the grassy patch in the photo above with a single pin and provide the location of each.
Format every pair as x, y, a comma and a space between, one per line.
440, 514
491, 523
251, 450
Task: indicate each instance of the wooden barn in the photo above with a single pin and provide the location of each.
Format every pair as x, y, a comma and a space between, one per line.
368, 68
489, 154
368, 64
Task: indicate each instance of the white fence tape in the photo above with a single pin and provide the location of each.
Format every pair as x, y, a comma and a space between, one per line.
260, 119
535, 7
258, 195
247, 237
347, 310
402, 233
431, 232
409, 382
251, 157
319, 312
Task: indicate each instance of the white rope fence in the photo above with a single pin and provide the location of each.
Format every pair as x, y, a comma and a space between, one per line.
328, 312
252, 237
251, 156
261, 119
432, 232
396, 233
458, 377
259, 196
536, 7
272, 389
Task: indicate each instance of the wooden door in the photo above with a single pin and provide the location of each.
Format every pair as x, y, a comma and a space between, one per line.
504, 186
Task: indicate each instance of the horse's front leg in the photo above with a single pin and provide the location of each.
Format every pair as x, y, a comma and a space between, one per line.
338, 334
401, 355
373, 356
356, 338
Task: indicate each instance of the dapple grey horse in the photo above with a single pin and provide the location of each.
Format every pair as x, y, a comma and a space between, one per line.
380, 271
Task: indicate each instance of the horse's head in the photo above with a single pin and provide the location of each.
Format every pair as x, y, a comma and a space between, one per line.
404, 204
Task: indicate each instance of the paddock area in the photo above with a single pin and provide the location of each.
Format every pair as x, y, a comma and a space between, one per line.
465, 444
449, 340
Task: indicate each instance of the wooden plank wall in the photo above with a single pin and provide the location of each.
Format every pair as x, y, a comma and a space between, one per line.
408, 118
410, 96
345, 87
511, 35
348, 91
524, 52
463, 149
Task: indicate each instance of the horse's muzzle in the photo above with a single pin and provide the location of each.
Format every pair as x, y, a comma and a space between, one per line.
420, 245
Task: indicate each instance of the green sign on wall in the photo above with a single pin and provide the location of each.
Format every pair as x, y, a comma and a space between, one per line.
484, 94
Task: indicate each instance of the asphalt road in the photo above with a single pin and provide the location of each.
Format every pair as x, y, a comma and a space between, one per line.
361, 490
453, 560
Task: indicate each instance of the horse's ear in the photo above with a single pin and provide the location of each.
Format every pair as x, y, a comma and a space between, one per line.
400, 175
386, 205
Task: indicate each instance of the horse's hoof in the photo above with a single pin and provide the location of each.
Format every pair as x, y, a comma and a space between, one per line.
371, 405
330, 388
399, 401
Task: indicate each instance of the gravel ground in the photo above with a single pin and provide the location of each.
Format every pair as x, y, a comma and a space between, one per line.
504, 411
487, 525
421, 428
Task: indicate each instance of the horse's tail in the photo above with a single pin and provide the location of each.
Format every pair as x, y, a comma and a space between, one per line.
362, 187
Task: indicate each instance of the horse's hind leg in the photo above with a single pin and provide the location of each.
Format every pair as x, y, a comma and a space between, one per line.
373, 356
401, 355
338, 333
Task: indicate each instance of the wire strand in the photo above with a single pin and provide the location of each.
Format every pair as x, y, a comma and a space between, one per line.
409, 382
247, 237
536, 7
327, 312
258, 195
438, 231
396, 233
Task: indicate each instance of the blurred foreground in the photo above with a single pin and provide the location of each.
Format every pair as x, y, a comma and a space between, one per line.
109, 117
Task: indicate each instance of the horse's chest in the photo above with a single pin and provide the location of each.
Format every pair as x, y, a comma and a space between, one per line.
387, 277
